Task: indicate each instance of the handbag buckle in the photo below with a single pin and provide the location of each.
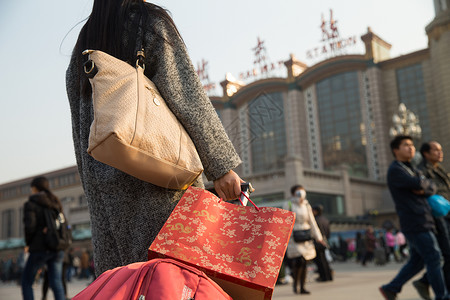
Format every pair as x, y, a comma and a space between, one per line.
89, 66
140, 59
87, 52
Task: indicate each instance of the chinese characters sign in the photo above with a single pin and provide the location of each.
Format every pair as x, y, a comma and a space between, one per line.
332, 43
262, 68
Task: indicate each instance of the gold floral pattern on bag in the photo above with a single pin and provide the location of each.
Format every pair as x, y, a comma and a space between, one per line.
245, 256
180, 227
205, 213
216, 237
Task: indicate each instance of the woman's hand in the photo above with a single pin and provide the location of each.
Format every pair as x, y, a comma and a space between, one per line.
228, 187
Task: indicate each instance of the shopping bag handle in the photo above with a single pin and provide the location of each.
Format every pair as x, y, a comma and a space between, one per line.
257, 208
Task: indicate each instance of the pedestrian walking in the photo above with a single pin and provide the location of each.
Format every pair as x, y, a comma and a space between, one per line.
64, 277
323, 267
342, 248
84, 265
359, 248
70, 264
400, 241
35, 231
391, 244
369, 245
127, 213
301, 246
433, 155
409, 189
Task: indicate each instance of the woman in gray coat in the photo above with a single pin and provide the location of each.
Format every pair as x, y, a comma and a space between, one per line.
127, 213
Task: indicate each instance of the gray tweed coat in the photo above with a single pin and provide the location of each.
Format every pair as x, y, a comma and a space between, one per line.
127, 213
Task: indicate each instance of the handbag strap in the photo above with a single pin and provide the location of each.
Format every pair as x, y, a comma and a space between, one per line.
90, 69
140, 55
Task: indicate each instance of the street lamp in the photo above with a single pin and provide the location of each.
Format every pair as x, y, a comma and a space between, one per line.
405, 122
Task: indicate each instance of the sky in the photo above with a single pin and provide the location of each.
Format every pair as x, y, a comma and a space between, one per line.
37, 38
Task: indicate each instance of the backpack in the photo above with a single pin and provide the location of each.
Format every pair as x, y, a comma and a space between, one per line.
157, 279
59, 235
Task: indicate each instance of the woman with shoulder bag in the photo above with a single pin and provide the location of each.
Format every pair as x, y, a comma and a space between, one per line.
301, 244
126, 212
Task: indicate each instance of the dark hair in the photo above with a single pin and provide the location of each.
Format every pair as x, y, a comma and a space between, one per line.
104, 30
395, 143
42, 184
425, 148
294, 188
318, 208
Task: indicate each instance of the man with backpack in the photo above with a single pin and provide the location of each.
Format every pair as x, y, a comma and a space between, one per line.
46, 235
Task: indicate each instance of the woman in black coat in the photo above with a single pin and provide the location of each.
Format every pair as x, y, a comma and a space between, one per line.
35, 230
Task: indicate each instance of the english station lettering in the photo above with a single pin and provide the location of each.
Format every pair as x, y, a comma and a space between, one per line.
331, 47
265, 69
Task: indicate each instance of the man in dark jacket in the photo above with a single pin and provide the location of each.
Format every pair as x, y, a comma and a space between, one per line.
409, 189
433, 155
323, 267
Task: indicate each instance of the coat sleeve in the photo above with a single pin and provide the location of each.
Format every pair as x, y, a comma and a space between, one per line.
73, 94
170, 68
400, 178
30, 222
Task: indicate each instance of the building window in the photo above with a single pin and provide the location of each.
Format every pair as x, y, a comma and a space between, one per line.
268, 133
21, 225
82, 200
7, 223
333, 205
340, 119
81, 226
25, 189
9, 193
411, 92
66, 180
267, 199
67, 199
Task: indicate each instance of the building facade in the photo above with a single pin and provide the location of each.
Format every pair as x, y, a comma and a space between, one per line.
333, 118
324, 126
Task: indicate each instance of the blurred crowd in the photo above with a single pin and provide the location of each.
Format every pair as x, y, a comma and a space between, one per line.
379, 246
77, 264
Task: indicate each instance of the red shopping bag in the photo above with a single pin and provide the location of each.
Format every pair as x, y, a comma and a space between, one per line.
239, 247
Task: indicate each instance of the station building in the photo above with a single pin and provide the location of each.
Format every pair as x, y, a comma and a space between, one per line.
326, 126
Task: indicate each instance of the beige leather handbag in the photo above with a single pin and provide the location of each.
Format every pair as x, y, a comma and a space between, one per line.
133, 129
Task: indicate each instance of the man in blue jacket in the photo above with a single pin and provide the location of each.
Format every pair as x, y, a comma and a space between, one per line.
409, 190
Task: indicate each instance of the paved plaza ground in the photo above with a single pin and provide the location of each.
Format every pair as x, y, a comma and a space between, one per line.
352, 282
